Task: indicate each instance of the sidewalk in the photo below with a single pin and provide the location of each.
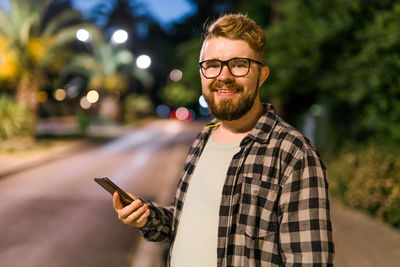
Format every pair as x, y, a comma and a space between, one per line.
12, 162
363, 241
61, 146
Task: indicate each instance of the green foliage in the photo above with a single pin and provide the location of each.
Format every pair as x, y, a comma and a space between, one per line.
373, 74
176, 94
38, 44
367, 177
107, 67
15, 119
342, 50
84, 121
137, 107
187, 91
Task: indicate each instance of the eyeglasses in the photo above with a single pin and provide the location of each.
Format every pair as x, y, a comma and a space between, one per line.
237, 67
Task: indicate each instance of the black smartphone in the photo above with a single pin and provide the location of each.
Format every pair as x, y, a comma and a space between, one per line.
108, 185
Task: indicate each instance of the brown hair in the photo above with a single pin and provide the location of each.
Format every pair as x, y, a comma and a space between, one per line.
237, 27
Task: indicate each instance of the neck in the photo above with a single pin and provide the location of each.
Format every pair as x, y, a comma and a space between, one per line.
230, 131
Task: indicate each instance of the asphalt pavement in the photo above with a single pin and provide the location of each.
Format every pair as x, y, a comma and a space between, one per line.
359, 239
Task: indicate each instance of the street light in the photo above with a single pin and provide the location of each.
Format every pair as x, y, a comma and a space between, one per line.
119, 37
143, 61
82, 35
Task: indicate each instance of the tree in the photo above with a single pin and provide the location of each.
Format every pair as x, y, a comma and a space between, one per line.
107, 67
34, 45
341, 52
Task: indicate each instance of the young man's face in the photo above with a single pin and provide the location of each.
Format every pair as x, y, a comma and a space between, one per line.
230, 97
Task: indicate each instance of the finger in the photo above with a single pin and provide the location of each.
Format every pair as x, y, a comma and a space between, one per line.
129, 209
117, 203
134, 216
143, 218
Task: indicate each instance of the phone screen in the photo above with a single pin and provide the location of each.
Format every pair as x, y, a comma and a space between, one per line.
108, 185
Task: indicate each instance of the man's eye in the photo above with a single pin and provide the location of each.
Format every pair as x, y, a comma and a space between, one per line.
211, 65
239, 64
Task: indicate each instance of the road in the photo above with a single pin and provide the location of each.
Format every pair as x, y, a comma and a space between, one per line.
55, 215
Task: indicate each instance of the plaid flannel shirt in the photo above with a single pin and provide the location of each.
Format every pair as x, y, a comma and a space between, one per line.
274, 209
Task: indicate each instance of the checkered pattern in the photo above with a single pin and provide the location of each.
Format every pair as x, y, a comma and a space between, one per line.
274, 209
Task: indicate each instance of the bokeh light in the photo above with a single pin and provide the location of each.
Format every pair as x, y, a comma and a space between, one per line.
119, 37
175, 75
92, 96
163, 111
182, 114
143, 61
60, 94
82, 35
202, 102
42, 96
85, 104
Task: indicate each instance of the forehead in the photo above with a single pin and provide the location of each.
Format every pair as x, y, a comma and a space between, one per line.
223, 49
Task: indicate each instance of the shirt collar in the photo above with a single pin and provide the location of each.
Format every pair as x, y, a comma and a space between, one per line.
263, 128
260, 132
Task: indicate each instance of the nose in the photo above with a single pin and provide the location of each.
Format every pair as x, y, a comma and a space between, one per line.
225, 73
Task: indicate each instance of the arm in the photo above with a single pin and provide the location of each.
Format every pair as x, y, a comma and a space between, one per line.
305, 229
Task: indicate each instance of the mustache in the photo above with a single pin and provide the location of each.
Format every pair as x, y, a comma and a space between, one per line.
228, 83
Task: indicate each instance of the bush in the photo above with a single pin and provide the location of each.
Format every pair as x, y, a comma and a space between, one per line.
137, 107
368, 178
16, 121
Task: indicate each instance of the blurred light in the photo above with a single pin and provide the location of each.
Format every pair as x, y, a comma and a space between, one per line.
204, 112
82, 35
85, 104
172, 115
183, 114
163, 111
60, 94
143, 61
173, 127
192, 114
73, 86
92, 96
175, 75
119, 37
42, 96
202, 102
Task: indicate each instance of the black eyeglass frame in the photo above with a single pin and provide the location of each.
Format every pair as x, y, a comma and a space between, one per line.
226, 63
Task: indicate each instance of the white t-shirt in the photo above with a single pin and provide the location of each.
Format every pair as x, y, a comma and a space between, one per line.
197, 234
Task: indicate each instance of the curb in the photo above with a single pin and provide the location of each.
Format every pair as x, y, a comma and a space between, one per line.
18, 165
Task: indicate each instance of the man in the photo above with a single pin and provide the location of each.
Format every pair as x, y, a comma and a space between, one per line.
254, 191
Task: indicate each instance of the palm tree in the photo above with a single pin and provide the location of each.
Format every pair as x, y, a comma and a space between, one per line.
108, 68
34, 45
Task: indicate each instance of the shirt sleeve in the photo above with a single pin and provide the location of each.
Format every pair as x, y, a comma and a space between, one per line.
159, 223
305, 226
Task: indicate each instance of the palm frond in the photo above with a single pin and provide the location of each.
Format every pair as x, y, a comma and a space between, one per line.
5, 28
68, 34
64, 18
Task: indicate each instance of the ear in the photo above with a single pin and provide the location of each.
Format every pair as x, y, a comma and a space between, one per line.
264, 72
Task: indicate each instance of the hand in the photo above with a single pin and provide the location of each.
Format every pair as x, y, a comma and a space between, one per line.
134, 214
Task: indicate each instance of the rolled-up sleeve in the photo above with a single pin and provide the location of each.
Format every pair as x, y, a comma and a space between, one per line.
159, 223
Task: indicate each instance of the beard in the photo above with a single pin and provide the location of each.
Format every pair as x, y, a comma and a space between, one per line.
227, 109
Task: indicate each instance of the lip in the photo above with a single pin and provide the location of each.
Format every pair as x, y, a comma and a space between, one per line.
225, 91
